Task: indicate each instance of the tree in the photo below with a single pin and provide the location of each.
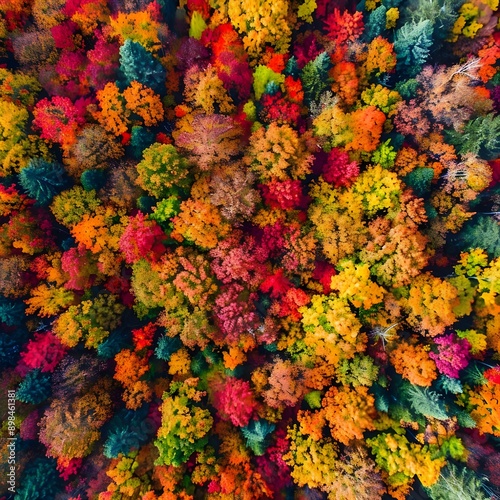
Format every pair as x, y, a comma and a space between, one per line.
312, 462
354, 284
430, 304
58, 119
460, 482
16, 146
395, 254
162, 169
142, 238
42, 180
185, 425
212, 140
130, 370
412, 361
113, 115
205, 92
412, 43
343, 27
48, 301
199, 222
314, 77
278, 152
257, 434
402, 460
478, 136
69, 206
483, 402
232, 191
40, 480
92, 320
358, 131
481, 231
235, 401
285, 388
380, 58
69, 429
35, 387
143, 102
139, 65
95, 148
453, 355
337, 217
349, 413
196, 281
139, 27
262, 24
18, 87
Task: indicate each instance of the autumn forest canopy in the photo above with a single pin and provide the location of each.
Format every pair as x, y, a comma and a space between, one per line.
250, 249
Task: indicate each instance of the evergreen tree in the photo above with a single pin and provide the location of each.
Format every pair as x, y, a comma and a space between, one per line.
137, 64
35, 388
412, 45
480, 136
375, 24
427, 403
315, 77
93, 179
420, 180
458, 483
256, 433
127, 431
11, 311
141, 139
42, 180
482, 231
39, 481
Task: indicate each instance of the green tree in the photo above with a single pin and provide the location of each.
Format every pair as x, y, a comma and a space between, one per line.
185, 425
162, 170
412, 44
480, 136
42, 180
138, 64
458, 482
315, 77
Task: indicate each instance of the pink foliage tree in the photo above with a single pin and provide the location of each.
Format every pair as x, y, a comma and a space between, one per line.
235, 311
235, 259
142, 239
337, 169
58, 119
81, 267
234, 401
453, 354
286, 195
45, 351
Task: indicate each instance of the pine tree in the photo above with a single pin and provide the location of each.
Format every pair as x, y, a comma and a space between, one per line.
412, 44
128, 430
427, 403
35, 388
93, 179
480, 136
482, 231
420, 180
11, 311
256, 433
458, 483
42, 180
375, 24
39, 481
315, 77
137, 64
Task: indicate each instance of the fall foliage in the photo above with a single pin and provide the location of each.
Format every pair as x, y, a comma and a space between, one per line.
250, 249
